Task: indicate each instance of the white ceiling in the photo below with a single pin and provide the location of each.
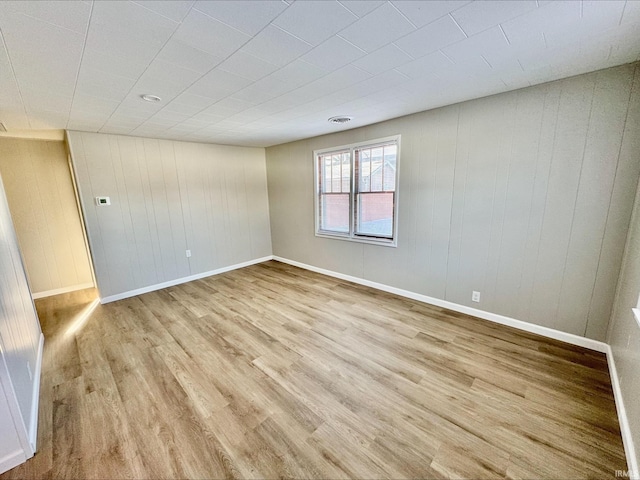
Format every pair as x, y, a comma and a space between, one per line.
266, 72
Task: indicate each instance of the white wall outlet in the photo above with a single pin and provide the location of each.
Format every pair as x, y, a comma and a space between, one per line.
29, 370
188, 253
475, 296
103, 201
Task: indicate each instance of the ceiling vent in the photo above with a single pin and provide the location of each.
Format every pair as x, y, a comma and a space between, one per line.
147, 97
2, 127
340, 119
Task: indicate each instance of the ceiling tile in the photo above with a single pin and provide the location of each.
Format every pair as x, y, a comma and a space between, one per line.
111, 51
382, 26
276, 46
180, 108
434, 36
247, 66
132, 21
187, 56
210, 35
478, 16
232, 105
45, 55
172, 9
361, 7
423, 13
549, 19
596, 17
333, 54
342, 78
194, 100
384, 59
85, 102
249, 16
126, 66
296, 74
429, 65
97, 83
490, 44
218, 84
374, 84
165, 72
48, 101
315, 20
9, 92
72, 16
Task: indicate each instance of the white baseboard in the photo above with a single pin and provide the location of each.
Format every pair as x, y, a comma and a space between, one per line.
59, 291
35, 399
492, 317
12, 460
625, 428
177, 281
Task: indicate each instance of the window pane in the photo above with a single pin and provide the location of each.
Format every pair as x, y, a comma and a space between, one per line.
346, 172
336, 173
375, 214
389, 180
364, 173
334, 212
325, 179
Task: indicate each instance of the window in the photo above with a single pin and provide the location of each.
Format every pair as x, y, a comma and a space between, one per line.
356, 191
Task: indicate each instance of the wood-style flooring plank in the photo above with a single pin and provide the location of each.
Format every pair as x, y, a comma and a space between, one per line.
276, 372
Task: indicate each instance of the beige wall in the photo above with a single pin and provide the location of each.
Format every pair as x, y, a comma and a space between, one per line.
44, 210
624, 329
524, 196
167, 197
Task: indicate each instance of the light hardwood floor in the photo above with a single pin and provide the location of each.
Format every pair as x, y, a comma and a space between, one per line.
272, 371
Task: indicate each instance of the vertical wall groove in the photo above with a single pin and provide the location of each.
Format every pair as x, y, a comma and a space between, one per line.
162, 204
534, 191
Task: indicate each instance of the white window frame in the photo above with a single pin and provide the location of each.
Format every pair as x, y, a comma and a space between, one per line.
352, 236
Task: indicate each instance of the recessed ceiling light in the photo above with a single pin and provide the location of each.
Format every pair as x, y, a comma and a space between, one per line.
150, 98
340, 119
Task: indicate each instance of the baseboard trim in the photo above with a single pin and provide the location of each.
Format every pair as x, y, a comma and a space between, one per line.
12, 460
59, 291
625, 428
35, 399
178, 281
492, 317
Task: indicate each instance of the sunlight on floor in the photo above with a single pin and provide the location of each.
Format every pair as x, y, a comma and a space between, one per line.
81, 319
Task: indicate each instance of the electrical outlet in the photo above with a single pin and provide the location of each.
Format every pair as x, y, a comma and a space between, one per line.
188, 253
29, 370
475, 296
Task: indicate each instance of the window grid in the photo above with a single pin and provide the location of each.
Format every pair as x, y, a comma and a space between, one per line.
356, 192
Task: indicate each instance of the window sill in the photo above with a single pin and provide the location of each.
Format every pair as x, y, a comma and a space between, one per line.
381, 243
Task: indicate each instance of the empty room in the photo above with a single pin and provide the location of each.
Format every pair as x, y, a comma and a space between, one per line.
320, 239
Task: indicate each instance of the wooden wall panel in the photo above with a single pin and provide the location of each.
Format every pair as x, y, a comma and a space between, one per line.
19, 328
168, 197
524, 196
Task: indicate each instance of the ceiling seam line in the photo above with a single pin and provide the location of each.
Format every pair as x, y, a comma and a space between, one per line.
15, 78
75, 84
211, 69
